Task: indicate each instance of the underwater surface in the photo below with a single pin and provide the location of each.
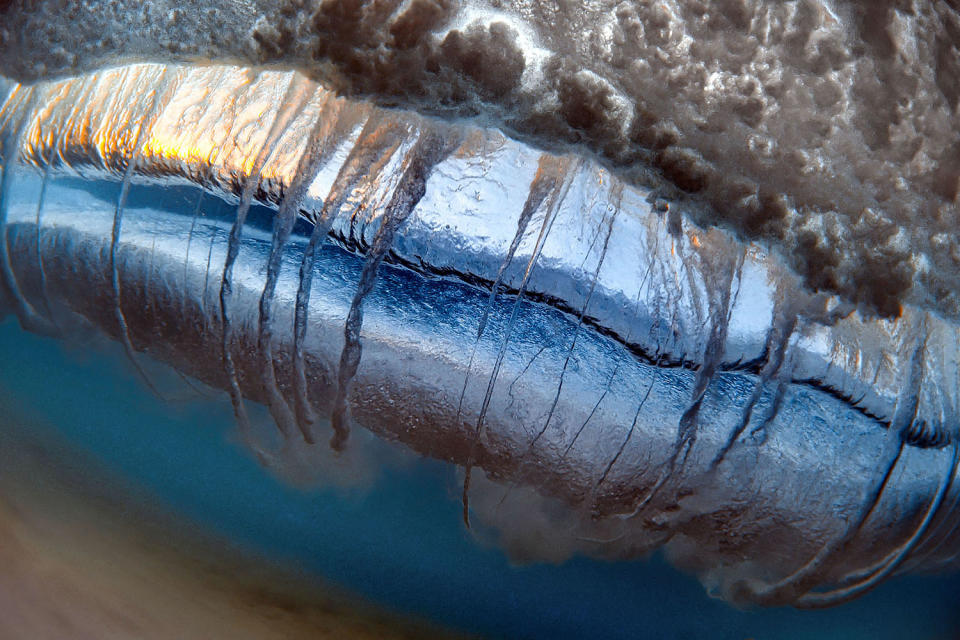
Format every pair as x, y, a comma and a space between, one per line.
398, 542
425, 317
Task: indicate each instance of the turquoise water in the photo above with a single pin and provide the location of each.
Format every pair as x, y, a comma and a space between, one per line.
401, 542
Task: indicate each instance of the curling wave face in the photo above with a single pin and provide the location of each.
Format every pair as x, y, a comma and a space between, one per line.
828, 130
523, 314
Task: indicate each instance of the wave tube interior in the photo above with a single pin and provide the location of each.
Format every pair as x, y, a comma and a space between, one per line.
440, 325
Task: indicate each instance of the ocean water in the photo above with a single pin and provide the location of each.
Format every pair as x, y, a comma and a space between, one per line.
813, 154
397, 541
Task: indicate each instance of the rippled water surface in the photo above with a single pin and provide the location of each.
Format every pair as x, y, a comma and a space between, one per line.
400, 542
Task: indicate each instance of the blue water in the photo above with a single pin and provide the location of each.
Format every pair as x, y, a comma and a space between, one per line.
401, 543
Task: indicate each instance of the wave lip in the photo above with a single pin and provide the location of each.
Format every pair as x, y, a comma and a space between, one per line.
538, 319
827, 130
